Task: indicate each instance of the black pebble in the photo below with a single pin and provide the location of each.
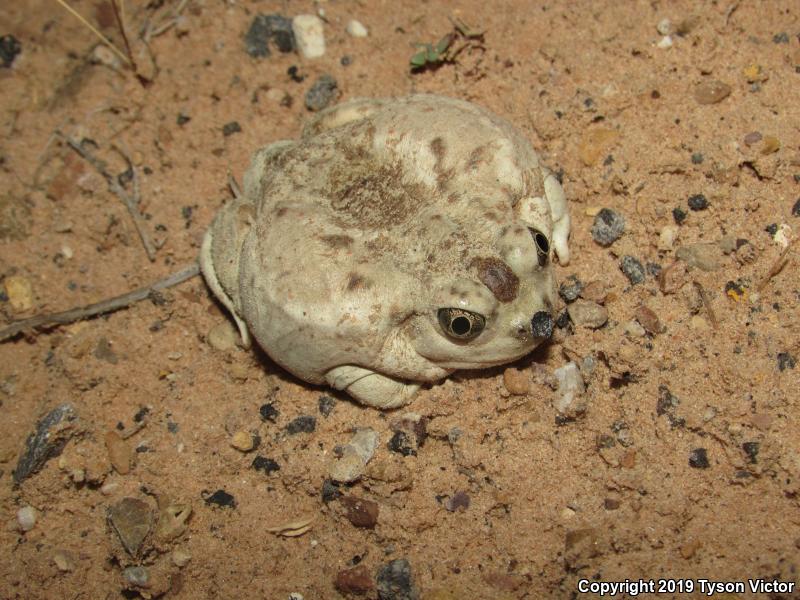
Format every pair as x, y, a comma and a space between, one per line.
221, 498
632, 268
796, 208
293, 73
141, 414
401, 444
183, 119
267, 465
772, 228
563, 320
751, 450
697, 158
330, 491
231, 128
679, 215
302, 424
698, 458
9, 48
698, 202
326, 404
786, 361
268, 412
321, 93
346, 61
266, 28
570, 288
395, 581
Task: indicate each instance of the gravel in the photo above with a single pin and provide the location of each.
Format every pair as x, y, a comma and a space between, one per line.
698, 458
608, 226
322, 93
698, 202
570, 289
302, 424
48, 440
396, 582
632, 269
9, 49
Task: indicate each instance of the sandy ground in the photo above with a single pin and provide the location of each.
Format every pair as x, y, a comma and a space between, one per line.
686, 460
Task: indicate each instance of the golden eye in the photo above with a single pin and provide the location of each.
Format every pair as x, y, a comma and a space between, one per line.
461, 324
542, 245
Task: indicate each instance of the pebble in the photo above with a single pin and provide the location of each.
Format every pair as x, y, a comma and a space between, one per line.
356, 29
664, 26
702, 255
221, 498
330, 491
64, 561
755, 73
180, 558
396, 581
230, 128
608, 226
632, 269
633, 329
770, 144
354, 581
786, 361
302, 424
325, 405
9, 49
266, 28
570, 398
585, 313
459, 500
360, 512
410, 433
667, 237
679, 215
131, 519
570, 288
19, 291
52, 433
594, 144
172, 521
595, 291
243, 441
698, 458
752, 138
711, 92
137, 576
119, 453
796, 208
665, 42
322, 93
355, 456
26, 518
265, 465
698, 202
222, 336
516, 381
268, 412
309, 35
649, 320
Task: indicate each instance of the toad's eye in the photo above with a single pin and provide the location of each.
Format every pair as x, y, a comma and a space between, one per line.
461, 324
542, 245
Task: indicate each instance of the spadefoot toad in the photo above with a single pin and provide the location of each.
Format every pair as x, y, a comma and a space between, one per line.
397, 241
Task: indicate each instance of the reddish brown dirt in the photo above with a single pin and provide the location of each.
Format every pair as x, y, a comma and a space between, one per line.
608, 496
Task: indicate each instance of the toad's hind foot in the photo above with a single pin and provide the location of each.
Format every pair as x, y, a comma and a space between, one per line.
371, 388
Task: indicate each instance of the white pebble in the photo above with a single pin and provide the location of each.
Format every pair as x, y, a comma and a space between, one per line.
665, 42
667, 236
570, 399
26, 517
664, 27
783, 236
356, 29
309, 35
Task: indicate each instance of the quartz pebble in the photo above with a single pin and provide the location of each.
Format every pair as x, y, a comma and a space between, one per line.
711, 92
19, 292
63, 561
356, 29
664, 26
585, 313
350, 465
570, 399
309, 35
26, 518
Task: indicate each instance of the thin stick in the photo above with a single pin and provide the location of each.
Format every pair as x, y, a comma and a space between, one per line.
234, 187
104, 39
132, 203
120, 16
706, 303
776, 267
98, 308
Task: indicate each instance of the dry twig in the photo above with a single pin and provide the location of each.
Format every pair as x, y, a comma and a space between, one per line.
706, 304
127, 59
131, 202
777, 266
98, 308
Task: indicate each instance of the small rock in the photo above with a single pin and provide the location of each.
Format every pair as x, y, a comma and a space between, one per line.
230, 128
697, 158
595, 291
355, 455
223, 336
698, 458
666, 237
459, 500
302, 424
309, 35
796, 208
326, 404
52, 433
137, 576
689, 549
395, 581
64, 561
180, 558
770, 144
632, 269
119, 453
698, 202
570, 289
354, 581
26, 518
570, 400
786, 361
711, 92
243, 441
752, 138
131, 519
594, 144
751, 450
516, 381
221, 498
20, 292
585, 313
608, 226
265, 465
780, 38
9, 49
410, 434
104, 351
268, 412
665, 42
649, 320
633, 329
360, 512
754, 73
266, 28
679, 215
664, 26
330, 491
356, 29
172, 521
702, 255
322, 93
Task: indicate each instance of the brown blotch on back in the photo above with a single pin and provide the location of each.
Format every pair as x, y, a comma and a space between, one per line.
337, 241
356, 281
498, 277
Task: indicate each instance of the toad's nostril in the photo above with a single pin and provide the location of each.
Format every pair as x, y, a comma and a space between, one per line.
542, 324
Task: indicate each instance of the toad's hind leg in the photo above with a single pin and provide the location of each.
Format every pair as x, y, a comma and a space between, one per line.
341, 114
371, 388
